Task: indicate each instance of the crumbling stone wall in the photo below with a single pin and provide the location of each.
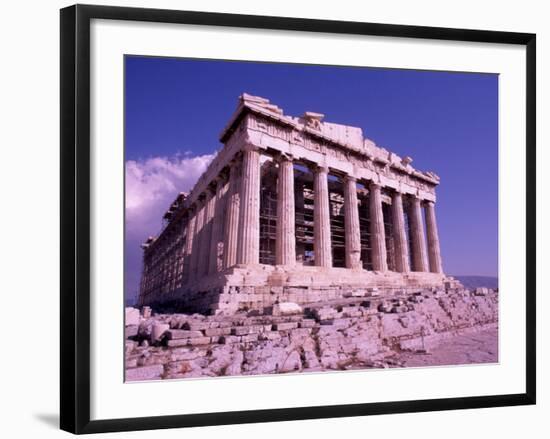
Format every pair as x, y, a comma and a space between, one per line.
340, 334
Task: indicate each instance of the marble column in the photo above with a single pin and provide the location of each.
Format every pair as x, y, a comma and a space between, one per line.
321, 219
434, 251
400, 244
188, 244
285, 245
231, 232
217, 228
197, 235
418, 239
248, 245
351, 223
210, 206
377, 232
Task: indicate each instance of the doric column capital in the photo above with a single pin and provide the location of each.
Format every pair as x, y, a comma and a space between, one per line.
248, 146
320, 169
375, 185
283, 157
349, 177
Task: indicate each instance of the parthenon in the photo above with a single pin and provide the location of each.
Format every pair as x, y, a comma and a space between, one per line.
294, 209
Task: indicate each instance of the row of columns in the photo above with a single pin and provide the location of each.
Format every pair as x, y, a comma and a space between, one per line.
230, 213
285, 239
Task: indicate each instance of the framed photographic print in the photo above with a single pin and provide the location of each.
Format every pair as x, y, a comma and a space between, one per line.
304, 218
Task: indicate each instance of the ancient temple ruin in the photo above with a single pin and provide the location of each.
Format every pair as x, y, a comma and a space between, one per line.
294, 209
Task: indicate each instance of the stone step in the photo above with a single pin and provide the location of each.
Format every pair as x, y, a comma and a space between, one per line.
195, 341
176, 334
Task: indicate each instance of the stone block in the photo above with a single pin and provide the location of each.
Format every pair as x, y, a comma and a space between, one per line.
354, 293
272, 335
195, 326
307, 323
131, 362
244, 330
131, 331
399, 309
342, 323
229, 339
385, 306
249, 338
129, 346
131, 316
158, 331
195, 341
213, 332
325, 313
286, 309
285, 326
175, 334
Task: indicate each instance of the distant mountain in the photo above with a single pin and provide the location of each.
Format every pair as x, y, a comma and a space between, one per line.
478, 281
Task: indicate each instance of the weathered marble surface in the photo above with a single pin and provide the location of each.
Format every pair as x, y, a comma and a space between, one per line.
207, 257
428, 327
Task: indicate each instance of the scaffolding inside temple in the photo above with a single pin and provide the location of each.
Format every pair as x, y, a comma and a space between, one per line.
337, 221
388, 231
303, 195
268, 213
408, 233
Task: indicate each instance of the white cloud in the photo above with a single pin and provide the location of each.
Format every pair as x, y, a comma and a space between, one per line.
152, 184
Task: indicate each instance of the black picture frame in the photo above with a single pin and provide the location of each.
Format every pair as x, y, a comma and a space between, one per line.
75, 218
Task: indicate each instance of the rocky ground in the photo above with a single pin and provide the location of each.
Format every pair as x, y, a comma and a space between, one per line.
427, 328
477, 347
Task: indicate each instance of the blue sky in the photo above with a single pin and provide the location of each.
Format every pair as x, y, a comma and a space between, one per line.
447, 122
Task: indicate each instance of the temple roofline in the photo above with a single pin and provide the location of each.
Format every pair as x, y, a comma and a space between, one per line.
262, 107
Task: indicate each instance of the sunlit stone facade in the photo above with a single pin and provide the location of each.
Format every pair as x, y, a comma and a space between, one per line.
294, 209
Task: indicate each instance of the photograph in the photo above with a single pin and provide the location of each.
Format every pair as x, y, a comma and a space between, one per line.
286, 218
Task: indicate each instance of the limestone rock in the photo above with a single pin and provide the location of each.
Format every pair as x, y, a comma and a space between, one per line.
144, 373
131, 316
131, 331
347, 333
158, 331
286, 309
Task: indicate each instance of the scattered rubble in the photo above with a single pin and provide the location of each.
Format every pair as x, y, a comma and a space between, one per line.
347, 333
